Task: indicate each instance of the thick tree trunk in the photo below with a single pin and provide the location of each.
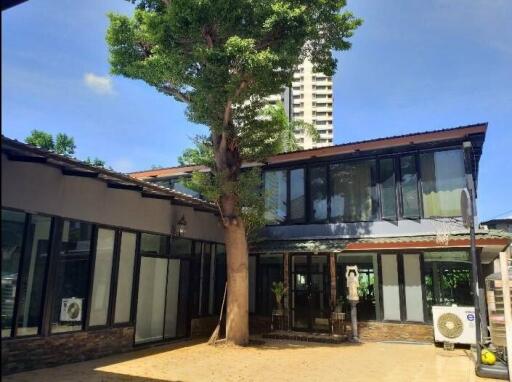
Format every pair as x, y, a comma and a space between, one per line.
237, 317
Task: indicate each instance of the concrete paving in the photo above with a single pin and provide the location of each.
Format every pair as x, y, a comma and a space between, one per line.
270, 360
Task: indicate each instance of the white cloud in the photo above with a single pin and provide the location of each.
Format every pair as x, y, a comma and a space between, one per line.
99, 84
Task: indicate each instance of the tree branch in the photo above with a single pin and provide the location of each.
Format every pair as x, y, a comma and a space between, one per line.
172, 91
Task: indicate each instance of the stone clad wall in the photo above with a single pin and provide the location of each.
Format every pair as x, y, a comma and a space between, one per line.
23, 354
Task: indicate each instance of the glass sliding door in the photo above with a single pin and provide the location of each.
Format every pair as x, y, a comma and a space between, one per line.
102, 277
310, 292
151, 299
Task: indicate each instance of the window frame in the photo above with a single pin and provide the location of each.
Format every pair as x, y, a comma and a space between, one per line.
328, 162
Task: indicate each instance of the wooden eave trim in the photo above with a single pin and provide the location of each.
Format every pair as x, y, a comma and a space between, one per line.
361, 246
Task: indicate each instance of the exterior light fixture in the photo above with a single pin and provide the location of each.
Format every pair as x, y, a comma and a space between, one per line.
181, 226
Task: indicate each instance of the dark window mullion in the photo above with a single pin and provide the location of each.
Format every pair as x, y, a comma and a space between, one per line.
116, 256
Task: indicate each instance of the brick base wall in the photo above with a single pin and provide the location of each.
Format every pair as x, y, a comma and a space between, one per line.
23, 354
383, 331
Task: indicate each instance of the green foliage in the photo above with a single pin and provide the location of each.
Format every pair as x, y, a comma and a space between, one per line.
200, 154
64, 144
95, 162
216, 53
40, 139
223, 58
279, 291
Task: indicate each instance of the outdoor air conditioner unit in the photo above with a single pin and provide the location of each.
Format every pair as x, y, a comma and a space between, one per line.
71, 309
455, 324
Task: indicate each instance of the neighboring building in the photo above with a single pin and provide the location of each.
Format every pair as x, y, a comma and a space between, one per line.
383, 205
501, 224
93, 263
310, 100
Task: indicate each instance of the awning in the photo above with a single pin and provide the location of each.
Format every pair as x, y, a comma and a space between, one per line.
310, 246
494, 238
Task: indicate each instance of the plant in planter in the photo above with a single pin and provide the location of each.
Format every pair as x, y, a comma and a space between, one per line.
279, 290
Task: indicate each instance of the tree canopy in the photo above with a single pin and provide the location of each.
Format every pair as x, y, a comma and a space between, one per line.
223, 58
63, 144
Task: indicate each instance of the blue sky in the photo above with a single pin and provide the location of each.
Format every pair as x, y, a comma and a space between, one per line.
415, 65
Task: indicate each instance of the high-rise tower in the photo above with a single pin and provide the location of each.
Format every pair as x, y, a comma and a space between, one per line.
310, 100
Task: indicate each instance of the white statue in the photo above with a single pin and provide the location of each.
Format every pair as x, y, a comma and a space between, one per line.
352, 275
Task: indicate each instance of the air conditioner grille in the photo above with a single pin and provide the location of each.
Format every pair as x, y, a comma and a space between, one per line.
450, 325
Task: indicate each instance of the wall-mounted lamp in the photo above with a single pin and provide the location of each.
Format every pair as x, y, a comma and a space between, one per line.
180, 227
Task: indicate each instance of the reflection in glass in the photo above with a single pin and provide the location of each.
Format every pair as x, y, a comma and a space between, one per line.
447, 279
275, 196
390, 288
72, 277
354, 191
33, 275
387, 192
318, 193
13, 225
153, 244
409, 183
297, 201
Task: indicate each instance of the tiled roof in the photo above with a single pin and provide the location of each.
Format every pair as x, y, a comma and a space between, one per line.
366, 145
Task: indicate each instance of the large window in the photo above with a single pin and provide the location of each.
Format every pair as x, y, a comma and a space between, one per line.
353, 191
447, 279
387, 188
368, 307
275, 196
270, 270
125, 277
297, 200
318, 194
442, 179
100, 300
33, 275
72, 277
13, 228
409, 184
151, 299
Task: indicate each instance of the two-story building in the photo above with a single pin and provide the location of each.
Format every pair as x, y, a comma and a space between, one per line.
391, 206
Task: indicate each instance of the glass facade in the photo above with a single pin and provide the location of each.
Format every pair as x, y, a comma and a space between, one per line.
61, 275
353, 191
407, 186
442, 179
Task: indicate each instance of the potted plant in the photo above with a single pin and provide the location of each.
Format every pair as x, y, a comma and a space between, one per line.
279, 290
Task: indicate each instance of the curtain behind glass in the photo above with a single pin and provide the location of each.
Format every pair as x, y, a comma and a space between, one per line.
443, 179
102, 277
125, 277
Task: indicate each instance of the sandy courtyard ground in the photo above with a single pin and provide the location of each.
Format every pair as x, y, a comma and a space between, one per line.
272, 360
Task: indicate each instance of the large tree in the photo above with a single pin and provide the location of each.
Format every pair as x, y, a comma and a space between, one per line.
221, 58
